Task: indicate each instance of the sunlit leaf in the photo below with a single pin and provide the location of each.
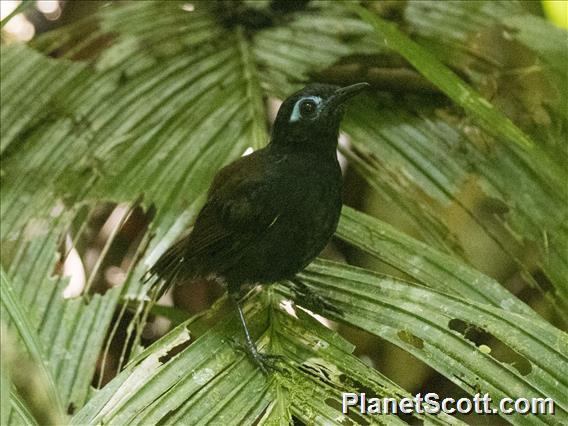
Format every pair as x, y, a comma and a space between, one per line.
212, 379
425, 264
419, 320
142, 102
21, 322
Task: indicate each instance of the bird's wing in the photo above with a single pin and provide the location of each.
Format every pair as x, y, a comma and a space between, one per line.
235, 215
232, 220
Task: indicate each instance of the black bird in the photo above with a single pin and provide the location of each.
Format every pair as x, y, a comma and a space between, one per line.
269, 214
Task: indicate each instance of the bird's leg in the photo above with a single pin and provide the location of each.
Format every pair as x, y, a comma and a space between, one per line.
251, 346
265, 362
310, 299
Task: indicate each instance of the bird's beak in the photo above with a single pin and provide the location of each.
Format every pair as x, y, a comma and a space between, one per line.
341, 95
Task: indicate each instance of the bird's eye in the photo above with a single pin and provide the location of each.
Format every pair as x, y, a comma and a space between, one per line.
308, 108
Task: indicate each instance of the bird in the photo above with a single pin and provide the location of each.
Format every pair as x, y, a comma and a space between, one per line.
268, 214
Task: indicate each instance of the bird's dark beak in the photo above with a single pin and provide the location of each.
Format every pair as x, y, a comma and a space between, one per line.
345, 93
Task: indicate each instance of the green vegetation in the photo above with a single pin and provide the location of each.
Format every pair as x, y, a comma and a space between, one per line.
132, 110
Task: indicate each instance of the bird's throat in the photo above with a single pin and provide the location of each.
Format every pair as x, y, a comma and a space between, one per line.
322, 144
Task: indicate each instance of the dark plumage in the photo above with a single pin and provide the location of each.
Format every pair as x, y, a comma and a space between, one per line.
269, 214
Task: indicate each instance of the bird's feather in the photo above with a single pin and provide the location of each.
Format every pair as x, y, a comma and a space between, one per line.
227, 224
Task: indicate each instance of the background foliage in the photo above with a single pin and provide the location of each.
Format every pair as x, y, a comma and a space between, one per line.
449, 265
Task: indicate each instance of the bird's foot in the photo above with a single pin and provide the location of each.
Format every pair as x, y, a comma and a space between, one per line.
311, 300
267, 363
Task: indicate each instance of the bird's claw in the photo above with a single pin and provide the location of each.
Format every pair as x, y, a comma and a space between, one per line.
320, 303
311, 300
267, 363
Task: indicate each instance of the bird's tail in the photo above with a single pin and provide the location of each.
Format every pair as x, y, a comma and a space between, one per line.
156, 281
166, 271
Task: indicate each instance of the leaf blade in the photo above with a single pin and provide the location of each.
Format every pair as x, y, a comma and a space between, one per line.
488, 116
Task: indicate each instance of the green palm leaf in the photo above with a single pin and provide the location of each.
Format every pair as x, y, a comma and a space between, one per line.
142, 110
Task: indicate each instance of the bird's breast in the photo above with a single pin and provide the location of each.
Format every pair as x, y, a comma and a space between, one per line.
308, 204
297, 205
312, 188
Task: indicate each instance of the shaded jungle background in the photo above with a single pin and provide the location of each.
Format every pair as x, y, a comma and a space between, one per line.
112, 233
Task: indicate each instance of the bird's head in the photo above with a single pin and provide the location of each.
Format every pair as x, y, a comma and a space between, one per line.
311, 116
